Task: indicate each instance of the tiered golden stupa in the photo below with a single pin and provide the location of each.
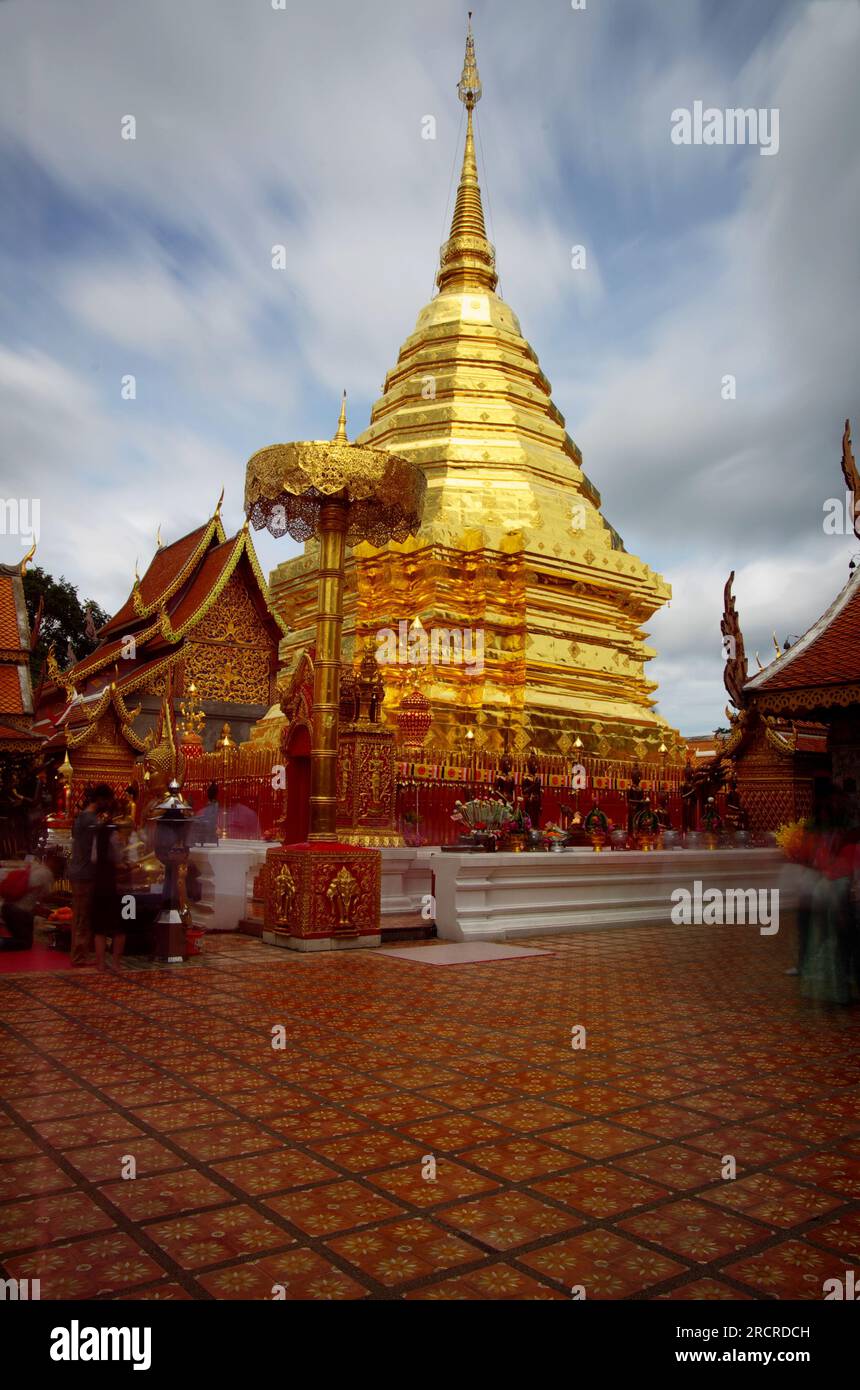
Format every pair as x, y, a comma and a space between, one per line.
513, 549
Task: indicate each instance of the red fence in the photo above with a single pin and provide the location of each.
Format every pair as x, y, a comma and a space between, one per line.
427, 791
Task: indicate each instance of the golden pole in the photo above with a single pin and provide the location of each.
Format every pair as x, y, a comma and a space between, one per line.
333, 521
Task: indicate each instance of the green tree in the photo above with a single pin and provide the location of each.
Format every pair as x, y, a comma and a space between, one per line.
64, 619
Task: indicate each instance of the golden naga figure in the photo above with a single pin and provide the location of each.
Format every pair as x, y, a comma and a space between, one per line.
342, 893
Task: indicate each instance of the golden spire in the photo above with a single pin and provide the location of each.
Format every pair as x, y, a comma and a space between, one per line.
27, 558
468, 261
341, 435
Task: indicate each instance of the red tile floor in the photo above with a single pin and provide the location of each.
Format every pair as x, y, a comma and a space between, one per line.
307, 1172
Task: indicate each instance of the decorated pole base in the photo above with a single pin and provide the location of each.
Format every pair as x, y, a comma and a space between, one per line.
169, 936
322, 896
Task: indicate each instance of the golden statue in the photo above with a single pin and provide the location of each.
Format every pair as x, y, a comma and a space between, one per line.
342, 892
226, 743
285, 896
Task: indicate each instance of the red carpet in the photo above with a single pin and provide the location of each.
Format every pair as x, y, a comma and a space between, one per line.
37, 958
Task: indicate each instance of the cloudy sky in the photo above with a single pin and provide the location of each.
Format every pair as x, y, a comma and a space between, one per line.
302, 126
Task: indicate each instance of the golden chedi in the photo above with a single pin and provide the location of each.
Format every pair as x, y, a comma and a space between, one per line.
531, 606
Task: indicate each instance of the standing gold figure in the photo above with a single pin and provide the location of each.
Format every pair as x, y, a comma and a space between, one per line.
285, 895
342, 893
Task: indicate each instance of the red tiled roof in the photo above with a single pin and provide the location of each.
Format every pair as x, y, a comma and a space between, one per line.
10, 691
8, 731
104, 654
827, 655
206, 577
10, 635
164, 569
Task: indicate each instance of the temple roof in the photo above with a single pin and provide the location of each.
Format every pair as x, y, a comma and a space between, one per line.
823, 666
168, 570
16, 695
183, 581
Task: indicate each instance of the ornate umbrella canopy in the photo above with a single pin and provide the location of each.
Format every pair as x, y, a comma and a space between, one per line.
287, 484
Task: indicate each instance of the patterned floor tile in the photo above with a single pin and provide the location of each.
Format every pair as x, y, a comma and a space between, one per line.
605, 1265
15, 1144
790, 1270
835, 1172
493, 1283
333, 1207
672, 1166
527, 1115
144, 1199
841, 1235
386, 1073
519, 1160
59, 1105
223, 1141
41, 1220
597, 1139
86, 1268
665, 1121
769, 1198
363, 1153
453, 1132
749, 1147
508, 1219
600, 1192
293, 1275
695, 1231
704, 1291
81, 1130
402, 1251
29, 1177
172, 1115
274, 1172
451, 1181
467, 1095
106, 1162
215, 1236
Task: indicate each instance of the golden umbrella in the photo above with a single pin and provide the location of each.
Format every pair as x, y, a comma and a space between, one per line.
341, 493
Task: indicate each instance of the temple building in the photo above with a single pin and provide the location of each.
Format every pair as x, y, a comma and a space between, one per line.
819, 679
795, 729
532, 607
19, 743
199, 617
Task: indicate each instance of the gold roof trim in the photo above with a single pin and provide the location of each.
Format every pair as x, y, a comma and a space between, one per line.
214, 527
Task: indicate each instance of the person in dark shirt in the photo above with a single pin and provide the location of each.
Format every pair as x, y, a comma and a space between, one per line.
82, 869
106, 906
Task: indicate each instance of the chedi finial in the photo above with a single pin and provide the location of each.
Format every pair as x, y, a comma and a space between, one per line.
469, 87
467, 260
341, 436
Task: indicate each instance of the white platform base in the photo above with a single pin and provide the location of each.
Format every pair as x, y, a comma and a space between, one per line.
224, 874
407, 881
492, 896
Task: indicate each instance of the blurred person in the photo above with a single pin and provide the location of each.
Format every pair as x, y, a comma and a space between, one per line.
828, 969
82, 869
106, 900
22, 890
204, 827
